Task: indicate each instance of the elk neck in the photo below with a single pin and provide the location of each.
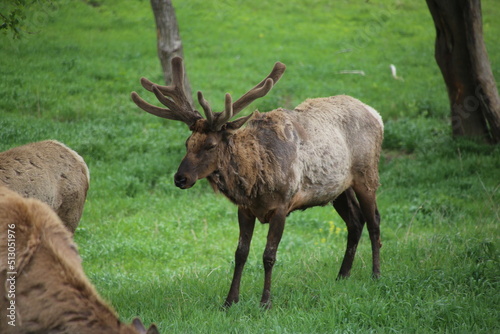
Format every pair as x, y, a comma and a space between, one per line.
253, 162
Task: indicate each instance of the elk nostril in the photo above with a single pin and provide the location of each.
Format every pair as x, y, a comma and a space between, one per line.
180, 180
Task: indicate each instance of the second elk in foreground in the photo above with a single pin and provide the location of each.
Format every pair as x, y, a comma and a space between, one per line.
43, 288
324, 151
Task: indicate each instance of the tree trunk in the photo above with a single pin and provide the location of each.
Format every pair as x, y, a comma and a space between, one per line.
169, 41
461, 55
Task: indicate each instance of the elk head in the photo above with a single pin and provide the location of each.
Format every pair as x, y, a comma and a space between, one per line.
203, 146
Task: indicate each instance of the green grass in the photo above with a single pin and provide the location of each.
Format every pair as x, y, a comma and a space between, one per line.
166, 255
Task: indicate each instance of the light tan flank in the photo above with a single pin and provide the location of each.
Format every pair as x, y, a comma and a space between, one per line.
51, 172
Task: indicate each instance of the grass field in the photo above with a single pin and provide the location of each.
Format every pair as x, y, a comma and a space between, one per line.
166, 255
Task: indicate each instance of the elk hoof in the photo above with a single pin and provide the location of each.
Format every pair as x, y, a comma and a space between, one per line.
342, 276
266, 305
228, 303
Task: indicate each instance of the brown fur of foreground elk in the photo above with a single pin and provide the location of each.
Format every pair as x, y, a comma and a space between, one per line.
51, 172
43, 286
326, 150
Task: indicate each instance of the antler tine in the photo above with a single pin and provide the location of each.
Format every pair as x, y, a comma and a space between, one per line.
226, 115
220, 118
228, 110
177, 73
261, 89
216, 120
154, 110
206, 108
177, 79
165, 90
173, 97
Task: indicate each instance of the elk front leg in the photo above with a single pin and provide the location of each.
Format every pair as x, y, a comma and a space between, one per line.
246, 221
276, 226
348, 208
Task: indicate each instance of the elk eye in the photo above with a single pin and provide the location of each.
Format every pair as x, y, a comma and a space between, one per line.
210, 146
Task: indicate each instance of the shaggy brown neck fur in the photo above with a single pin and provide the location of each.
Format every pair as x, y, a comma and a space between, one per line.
248, 160
240, 169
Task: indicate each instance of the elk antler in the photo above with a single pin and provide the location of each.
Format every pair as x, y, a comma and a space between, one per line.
173, 97
218, 119
179, 108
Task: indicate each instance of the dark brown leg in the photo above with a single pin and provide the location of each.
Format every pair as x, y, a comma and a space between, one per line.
348, 208
246, 222
276, 227
368, 204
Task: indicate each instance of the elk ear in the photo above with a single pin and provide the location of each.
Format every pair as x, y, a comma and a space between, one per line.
139, 326
238, 123
153, 330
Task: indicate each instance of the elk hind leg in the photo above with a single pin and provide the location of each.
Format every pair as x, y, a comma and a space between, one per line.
348, 208
367, 201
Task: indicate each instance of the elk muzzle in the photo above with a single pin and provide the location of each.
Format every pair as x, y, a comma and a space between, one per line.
186, 175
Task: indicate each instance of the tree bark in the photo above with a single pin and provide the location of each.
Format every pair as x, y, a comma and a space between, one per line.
461, 55
169, 41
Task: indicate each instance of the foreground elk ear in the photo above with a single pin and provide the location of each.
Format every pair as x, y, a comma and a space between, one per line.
137, 323
152, 330
139, 326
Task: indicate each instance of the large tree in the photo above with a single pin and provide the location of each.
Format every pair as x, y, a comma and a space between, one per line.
169, 41
461, 55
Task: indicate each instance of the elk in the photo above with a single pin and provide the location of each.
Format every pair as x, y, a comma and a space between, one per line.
324, 151
51, 172
43, 287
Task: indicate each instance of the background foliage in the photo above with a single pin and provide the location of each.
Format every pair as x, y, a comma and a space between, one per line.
165, 255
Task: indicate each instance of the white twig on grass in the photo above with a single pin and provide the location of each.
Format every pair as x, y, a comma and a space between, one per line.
343, 51
394, 74
352, 72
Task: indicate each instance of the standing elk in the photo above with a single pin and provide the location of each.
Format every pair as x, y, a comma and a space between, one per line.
51, 172
43, 288
324, 151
